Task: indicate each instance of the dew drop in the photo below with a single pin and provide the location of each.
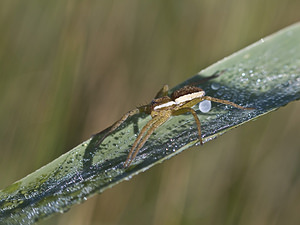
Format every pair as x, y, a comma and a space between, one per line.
205, 106
215, 86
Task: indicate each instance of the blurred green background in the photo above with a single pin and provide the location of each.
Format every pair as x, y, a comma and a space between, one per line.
69, 69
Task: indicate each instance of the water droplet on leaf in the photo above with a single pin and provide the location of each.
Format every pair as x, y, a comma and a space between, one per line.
205, 106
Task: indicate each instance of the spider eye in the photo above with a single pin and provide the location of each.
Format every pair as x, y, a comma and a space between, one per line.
205, 106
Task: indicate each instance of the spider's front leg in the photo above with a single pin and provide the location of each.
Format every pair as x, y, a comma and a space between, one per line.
122, 120
143, 136
140, 137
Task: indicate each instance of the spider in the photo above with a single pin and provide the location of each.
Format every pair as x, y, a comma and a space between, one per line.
162, 108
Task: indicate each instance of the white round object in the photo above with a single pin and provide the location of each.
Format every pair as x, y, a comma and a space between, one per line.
205, 106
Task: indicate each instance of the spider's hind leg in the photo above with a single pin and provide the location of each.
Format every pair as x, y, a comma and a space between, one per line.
225, 102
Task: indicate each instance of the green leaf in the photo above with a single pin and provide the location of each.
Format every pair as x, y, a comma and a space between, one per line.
265, 75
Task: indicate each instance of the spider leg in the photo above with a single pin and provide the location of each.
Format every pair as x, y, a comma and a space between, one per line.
224, 102
140, 141
200, 99
137, 140
162, 92
185, 110
118, 123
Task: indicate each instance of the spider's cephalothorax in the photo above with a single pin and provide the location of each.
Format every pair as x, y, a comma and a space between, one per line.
162, 108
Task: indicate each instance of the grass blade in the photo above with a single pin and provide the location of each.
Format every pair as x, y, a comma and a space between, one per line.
265, 75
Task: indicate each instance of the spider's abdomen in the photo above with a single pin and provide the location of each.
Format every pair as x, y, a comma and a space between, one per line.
186, 94
185, 91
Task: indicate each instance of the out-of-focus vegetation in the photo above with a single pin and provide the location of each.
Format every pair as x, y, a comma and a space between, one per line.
69, 69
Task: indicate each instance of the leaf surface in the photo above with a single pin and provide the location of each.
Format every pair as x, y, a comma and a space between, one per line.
265, 75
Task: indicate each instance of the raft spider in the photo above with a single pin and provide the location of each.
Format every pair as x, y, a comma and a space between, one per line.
162, 108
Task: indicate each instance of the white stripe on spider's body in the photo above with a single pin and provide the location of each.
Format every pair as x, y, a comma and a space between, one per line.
181, 100
189, 97
164, 105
